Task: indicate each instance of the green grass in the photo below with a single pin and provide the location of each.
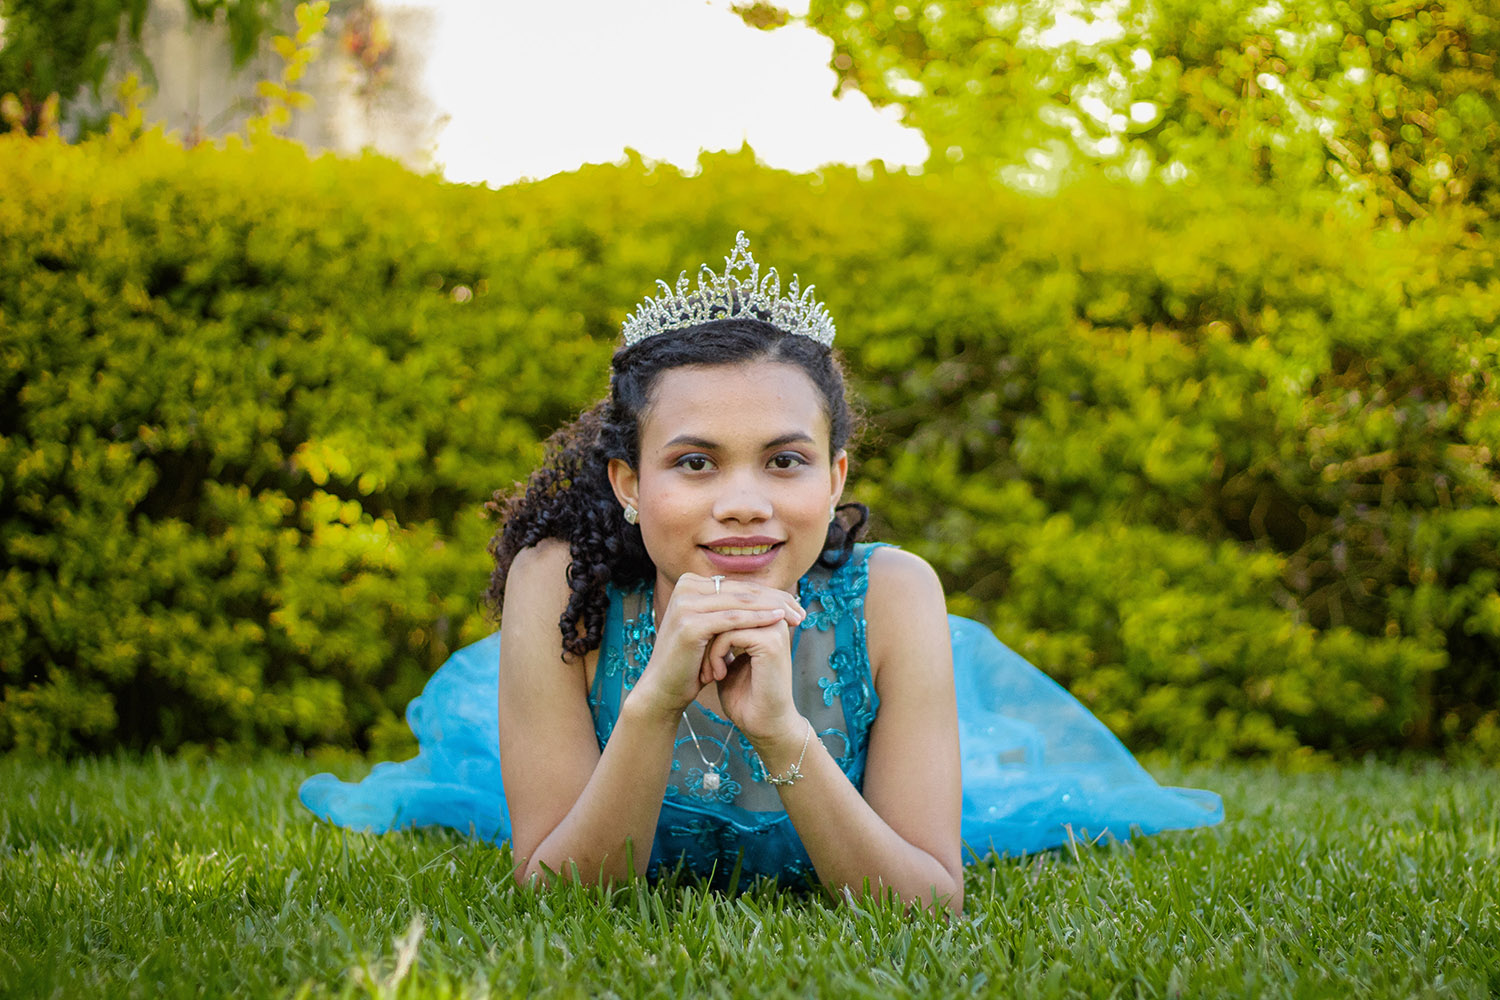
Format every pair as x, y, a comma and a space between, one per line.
166, 878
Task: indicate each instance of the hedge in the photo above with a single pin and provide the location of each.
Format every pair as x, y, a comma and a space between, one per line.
254, 401
1229, 475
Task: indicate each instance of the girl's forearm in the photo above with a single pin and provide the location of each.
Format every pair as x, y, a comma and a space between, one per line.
608, 833
850, 845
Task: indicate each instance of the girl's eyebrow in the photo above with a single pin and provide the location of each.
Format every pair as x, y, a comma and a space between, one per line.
792, 437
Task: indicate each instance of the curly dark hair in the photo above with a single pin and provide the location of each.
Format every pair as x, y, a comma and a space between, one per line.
569, 495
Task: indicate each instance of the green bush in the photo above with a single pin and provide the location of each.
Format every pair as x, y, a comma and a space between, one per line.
1249, 493
252, 403
1228, 475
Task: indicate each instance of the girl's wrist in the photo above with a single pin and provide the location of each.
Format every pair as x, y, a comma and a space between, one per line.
650, 712
781, 745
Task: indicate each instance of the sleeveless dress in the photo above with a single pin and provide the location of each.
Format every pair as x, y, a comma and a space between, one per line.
1038, 769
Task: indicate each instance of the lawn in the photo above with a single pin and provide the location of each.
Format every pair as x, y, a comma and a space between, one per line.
175, 878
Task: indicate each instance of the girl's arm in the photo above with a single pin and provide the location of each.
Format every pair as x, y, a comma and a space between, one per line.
570, 805
574, 808
903, 834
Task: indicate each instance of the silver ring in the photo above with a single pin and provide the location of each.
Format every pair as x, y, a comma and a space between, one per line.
718, 580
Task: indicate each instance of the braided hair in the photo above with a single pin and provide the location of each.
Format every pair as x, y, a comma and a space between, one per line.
569, 496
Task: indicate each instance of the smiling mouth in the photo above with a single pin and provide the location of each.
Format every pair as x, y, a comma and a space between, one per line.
740, 550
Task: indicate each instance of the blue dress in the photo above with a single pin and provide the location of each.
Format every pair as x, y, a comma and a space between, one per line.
1038, 768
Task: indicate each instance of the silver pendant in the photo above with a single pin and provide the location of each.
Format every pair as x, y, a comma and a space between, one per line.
711, 781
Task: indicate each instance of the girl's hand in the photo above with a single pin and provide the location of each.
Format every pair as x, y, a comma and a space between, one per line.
695, 616
753, 667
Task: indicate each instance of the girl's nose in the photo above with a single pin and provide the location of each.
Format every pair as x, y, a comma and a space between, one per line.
742, 499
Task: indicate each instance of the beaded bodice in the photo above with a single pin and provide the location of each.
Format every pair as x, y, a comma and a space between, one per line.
719, 813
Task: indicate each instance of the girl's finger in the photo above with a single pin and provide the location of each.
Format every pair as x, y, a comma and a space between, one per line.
711, 623
727, 646
732, 593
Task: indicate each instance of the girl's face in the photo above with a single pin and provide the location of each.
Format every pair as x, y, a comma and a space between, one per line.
735, 477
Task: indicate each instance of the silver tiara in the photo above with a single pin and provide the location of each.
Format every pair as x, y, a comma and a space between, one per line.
720, 296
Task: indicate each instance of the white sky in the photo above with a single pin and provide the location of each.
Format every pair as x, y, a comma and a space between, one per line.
534, 87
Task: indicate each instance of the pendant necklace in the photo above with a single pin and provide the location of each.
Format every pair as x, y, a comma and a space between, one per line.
711, 778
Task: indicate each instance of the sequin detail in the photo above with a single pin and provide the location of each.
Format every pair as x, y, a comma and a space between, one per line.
741, 822
640, 641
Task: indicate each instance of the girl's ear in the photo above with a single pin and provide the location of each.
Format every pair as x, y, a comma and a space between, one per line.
625, 482
840, 472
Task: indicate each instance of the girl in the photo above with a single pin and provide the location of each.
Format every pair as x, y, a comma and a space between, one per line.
698, 663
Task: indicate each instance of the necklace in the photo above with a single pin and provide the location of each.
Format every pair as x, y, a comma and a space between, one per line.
711, 778
645, 641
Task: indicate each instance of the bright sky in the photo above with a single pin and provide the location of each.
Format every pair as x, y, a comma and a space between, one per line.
534, 87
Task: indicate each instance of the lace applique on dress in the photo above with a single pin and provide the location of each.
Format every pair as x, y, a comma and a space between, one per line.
718, 802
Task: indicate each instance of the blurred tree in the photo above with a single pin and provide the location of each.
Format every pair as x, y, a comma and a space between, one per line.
366, 39
1395, 106
58, 47
66, 47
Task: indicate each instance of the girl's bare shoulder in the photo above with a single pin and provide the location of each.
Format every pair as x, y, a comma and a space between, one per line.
905, 610
536, 589
548, 558
897, 578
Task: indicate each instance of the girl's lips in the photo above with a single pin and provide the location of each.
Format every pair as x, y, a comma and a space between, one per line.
741, 557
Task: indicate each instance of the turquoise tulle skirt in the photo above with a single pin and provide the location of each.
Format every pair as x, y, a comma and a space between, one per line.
1038, 769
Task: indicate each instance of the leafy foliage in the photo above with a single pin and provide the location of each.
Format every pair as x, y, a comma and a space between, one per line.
1230, 477
249, 414
62, 49
58, 47
1394, 106
296, 51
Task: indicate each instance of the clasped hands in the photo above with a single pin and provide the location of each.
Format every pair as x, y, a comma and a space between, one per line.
737, 635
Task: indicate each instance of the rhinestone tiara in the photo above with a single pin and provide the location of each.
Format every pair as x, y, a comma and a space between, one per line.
720, 296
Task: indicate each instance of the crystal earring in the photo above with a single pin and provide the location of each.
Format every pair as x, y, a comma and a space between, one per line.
833, 510
631, 514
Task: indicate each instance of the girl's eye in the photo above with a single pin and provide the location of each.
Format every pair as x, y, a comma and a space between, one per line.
695, 463
787, 460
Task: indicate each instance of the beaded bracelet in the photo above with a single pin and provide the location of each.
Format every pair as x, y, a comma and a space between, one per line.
793, 774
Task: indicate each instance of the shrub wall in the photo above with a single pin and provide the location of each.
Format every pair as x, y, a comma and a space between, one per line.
1230, 476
